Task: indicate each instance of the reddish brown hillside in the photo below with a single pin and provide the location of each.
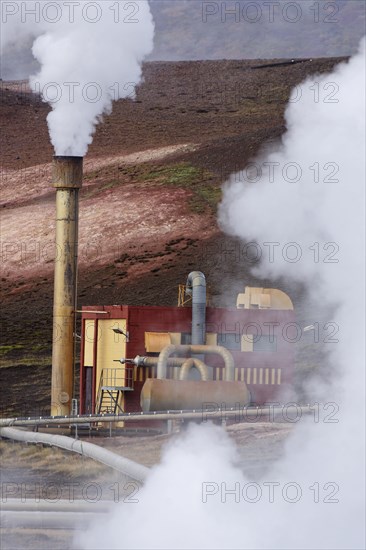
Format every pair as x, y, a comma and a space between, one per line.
152, 181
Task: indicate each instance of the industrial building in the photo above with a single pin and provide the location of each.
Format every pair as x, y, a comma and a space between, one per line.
243, 356
143, 358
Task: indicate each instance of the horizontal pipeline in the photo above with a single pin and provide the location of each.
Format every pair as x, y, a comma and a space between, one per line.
75, 505
48, 520
203, 414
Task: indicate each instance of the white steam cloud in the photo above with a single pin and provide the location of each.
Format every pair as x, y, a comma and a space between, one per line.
183, 503
306, 212
90, 54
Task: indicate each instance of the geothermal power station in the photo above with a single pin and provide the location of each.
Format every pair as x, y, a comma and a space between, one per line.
188, 411
146, 367
147, 359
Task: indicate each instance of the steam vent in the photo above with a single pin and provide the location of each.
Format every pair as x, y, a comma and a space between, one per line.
67, 179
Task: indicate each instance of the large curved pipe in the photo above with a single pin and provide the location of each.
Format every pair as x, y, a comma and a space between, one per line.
189, 364
220, 350
184, 363
196, 287
128, 467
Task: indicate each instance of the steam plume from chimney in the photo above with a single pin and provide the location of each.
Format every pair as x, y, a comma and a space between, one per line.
90, 54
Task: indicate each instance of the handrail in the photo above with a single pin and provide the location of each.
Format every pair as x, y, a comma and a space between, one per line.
212, 411
114, 379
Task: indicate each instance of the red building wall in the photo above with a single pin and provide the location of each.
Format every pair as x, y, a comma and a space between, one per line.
276, 327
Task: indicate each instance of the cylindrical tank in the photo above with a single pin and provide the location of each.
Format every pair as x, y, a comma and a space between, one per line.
67, 179
162, 395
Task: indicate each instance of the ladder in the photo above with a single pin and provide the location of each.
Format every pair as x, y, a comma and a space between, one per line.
113, 382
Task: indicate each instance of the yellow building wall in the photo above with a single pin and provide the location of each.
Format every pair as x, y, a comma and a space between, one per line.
110, 346
88, 342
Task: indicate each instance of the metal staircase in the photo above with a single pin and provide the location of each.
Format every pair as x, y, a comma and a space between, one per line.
112, 384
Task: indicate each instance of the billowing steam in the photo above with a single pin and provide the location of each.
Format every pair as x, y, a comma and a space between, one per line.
90, 53
314, 496
303, 205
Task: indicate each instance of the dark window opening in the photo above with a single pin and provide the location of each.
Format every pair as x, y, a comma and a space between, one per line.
88, 399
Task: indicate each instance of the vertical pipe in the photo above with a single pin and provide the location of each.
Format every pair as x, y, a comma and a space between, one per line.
196, 287
67, 179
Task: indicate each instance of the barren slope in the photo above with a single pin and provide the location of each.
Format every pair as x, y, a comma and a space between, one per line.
152, 182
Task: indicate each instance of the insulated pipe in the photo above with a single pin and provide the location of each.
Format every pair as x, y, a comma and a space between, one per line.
48, 520
196, 287
145, 361
184, 363
271, 411
189, 364
220, 350
67, 179
42, 504
128, 467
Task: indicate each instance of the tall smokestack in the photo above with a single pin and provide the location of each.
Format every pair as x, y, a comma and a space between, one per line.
67, 179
